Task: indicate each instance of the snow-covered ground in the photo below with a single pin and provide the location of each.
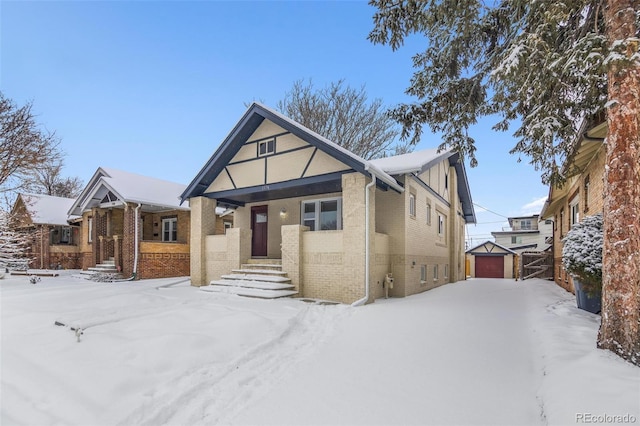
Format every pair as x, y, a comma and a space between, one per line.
161, 352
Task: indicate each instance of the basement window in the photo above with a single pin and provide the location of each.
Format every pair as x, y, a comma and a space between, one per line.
266, 147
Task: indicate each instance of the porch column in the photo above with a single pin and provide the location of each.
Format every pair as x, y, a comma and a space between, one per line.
292, 254
203, 223
353, 234
129, 240
117, 256
101, 245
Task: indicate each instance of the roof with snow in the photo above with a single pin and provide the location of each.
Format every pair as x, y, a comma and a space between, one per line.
384, 169
47, 209
112, 187
420, 161
491, 243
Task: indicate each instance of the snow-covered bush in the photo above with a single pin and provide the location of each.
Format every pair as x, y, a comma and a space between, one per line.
582, 252
13, 245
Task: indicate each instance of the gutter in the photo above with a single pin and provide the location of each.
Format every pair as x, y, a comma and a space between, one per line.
375, 174
136, 247
367, 250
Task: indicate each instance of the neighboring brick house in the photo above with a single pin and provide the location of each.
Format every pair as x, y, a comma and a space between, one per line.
582, 195
54, 236
114, 205
333, 223
526, 233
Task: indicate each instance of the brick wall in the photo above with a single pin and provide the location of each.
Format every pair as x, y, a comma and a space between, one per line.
163, 265
595, 202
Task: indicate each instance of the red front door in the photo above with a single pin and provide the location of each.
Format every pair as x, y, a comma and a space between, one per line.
259, 227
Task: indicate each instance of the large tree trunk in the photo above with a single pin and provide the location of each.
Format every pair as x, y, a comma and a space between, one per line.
620, 328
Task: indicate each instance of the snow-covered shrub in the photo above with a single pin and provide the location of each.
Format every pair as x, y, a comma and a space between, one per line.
13, 245
582, 252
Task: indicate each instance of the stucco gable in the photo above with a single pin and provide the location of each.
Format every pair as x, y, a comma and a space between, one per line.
326, 157
489, 247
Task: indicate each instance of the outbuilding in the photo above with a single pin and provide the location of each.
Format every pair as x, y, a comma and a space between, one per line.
491, 260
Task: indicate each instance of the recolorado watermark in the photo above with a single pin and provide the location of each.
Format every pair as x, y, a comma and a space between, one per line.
605, 418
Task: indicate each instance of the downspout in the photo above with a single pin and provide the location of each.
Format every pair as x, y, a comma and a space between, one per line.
135, 243
367, 250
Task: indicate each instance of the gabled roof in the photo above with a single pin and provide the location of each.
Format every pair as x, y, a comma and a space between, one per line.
413, 162
420, 161
250, 121
508, 250
384, 169
47, 209
120, 187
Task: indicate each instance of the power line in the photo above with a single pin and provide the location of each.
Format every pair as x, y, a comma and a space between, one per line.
490, 211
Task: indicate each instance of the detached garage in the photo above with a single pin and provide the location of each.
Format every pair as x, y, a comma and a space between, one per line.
490, 260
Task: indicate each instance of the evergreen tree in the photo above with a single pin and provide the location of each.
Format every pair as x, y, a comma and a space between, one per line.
13, 244
548, 66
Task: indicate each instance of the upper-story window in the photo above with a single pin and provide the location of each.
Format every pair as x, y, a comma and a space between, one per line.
266, 147
428, 212
525, 224
412, 205
574, 209
441, 225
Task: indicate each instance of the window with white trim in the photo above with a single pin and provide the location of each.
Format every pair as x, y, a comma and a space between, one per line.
322, 215
446, 271
574, 211
435, 272
170, 229
90, 229
412, 205
266, 147
428, 212
423, 274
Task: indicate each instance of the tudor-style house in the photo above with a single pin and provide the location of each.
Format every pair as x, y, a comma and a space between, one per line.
581, 195
54, 236
314, 220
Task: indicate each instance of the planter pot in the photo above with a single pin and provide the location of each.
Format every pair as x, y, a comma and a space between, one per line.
590, 303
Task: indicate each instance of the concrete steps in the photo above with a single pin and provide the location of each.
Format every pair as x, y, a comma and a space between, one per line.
106, 267
261, 278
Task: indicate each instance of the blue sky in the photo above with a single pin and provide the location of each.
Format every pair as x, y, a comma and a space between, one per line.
154, 87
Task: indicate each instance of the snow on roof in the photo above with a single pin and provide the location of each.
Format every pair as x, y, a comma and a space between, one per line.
137, 188
47, 209
409, 163
128, 187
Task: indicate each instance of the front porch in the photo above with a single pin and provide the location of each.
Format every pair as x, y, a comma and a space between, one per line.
161, 249
320, 264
